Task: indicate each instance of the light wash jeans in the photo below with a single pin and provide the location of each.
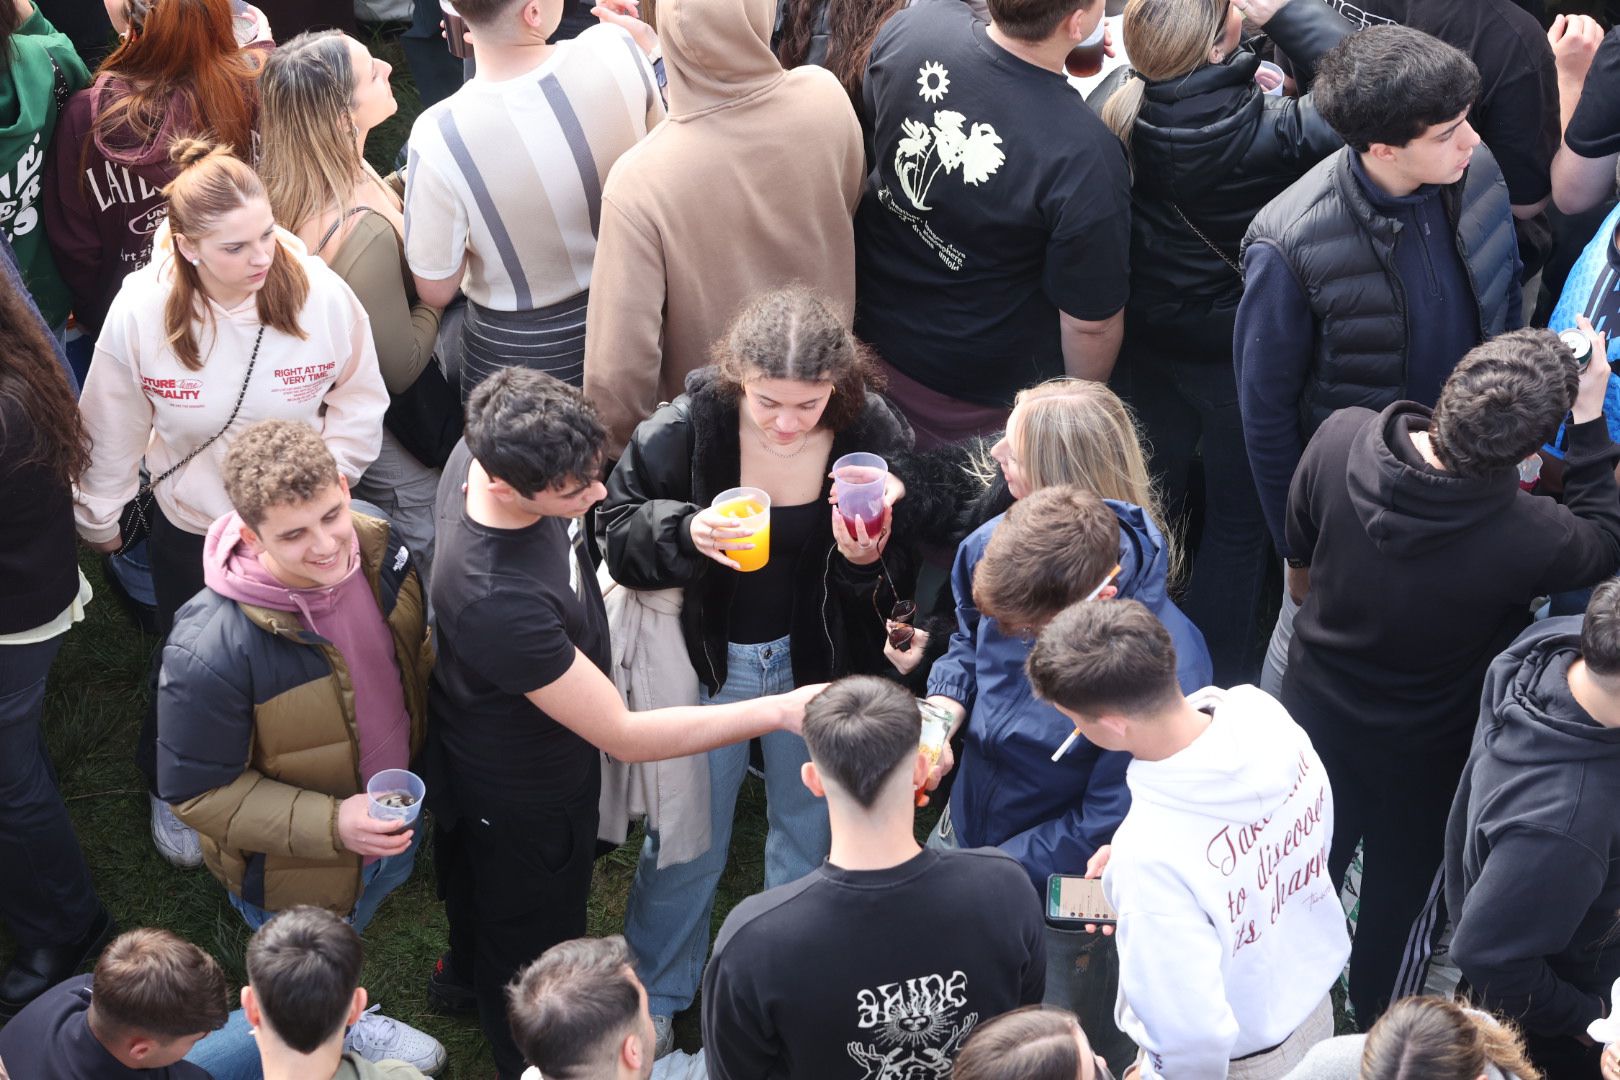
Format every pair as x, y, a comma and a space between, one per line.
231, 1053
666, 920
377, 881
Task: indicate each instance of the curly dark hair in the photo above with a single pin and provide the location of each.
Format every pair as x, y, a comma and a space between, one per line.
33, 383
792, 334
852, 26
534, 431
1386, 84
1503, 400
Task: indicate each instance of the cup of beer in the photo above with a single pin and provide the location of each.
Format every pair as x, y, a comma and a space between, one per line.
751, 508
858, 481
936, 728
396, 795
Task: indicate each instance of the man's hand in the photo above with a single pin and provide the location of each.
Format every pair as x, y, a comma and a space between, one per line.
1094, 869
1574, 40
791, 706
627, 14
1609, 1063
1594, 384
363, 834
946, 762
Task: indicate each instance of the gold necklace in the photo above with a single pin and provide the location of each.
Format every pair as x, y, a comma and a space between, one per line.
760, 435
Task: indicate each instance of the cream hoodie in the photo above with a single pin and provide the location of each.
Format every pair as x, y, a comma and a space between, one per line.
748, 151
140, 398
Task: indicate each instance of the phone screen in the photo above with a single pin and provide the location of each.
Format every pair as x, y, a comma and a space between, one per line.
1077, 899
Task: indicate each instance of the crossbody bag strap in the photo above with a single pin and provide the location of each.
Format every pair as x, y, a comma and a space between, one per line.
1196, 231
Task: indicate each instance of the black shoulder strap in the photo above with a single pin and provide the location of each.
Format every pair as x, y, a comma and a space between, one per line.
338, 224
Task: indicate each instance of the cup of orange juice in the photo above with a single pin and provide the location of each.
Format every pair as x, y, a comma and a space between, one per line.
751, 508
936, 729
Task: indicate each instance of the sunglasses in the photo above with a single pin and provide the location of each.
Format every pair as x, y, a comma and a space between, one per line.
901, 632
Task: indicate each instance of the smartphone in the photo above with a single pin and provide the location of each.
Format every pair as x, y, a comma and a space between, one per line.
1079, 900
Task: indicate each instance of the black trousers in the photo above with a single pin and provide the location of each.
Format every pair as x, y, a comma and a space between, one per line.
47, 898
514, 883
177, 576
1395, 800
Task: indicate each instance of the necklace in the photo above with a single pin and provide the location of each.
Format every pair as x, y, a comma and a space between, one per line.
804, 441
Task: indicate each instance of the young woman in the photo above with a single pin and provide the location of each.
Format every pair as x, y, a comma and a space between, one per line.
37, 67
179, 73
836, 35
232, 322
790, 392
1423, 1036
1209, 148
48, 903
321, 94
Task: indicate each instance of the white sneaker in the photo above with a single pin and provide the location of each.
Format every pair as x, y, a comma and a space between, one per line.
664, 1036
174, 839
376, 1037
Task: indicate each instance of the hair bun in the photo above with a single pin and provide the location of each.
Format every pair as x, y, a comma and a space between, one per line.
187, 152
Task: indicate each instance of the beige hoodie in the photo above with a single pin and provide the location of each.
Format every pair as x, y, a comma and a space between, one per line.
750, 184
140, 398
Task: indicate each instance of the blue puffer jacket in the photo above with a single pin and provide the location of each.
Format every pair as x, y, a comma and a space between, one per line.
1050, 816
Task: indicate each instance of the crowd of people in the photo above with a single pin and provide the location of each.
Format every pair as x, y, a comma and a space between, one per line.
1237, 581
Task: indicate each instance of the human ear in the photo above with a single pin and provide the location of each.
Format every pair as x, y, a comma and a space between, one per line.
1108, 592
812, 779
255, 546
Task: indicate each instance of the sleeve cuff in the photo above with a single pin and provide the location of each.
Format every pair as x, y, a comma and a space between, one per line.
1590, 436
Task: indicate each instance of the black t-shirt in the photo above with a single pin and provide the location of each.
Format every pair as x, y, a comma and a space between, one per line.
997, 199
511, 606
51, 1040
1594, 130
847, 975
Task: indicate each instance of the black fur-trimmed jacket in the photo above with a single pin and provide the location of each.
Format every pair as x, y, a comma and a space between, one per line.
684, 455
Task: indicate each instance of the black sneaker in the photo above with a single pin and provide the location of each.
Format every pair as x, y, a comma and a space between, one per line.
448, 994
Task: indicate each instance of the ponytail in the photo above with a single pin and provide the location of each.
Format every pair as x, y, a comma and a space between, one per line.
1123, 106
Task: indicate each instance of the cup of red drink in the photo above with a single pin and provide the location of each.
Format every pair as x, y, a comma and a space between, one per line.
858, 483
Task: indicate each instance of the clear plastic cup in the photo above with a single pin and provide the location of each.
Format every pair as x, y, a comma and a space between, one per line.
751, 508
858, 481
1086, 59
396, 795
936, 726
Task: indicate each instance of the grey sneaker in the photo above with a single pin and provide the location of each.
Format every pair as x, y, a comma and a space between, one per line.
174, 839
664, 1030
376, 1037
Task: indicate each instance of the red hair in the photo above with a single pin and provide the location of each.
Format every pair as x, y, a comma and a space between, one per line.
182, 51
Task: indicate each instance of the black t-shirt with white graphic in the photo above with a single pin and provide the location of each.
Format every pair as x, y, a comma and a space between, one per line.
997, 199
849, 975
1594, 130
510, 607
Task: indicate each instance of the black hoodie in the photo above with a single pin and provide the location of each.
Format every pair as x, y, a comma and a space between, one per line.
1419, 577
1532, 880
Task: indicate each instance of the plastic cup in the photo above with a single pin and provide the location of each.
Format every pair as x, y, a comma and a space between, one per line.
1086, 58
1270, 77
455, 30
936, 725
750, 507
858, 481
396, 795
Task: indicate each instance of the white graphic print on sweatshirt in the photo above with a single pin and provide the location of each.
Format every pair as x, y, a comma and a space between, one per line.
914, 1025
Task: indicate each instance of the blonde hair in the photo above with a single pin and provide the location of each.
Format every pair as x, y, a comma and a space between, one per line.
1440, 1040
211, 184
308, 156
1077, 431
1165, 39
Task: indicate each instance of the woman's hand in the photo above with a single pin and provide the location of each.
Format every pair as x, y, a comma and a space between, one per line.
905, 662
106, 547
862, 549
1609, 1063
627, 14
714, 534
792, 703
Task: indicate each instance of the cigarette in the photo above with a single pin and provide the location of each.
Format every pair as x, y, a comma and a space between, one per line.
1064, 749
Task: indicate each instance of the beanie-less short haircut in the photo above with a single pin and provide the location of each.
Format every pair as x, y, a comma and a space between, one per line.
1503, 400
1386, 84
1033, 20
276, 462
859, 731
154, 983
534, 431
1110, 656
485, 13
1053, 547
1600, 632
571, 1008
1036, 1042
304, 966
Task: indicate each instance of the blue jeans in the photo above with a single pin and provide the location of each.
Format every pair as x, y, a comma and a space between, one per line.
231, 1053
666, 920
377, 881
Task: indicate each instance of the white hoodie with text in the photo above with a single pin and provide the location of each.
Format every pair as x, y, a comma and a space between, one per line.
1230, 932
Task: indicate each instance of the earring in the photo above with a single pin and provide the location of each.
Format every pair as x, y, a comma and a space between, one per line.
195, 261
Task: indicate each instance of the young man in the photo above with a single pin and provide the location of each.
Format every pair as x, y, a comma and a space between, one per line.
1230, 933
521, 704
1532, 832
580, 1013
504, 181
748, 151
993, 240
303, 993
1424, 556
883, 960
298, 674
1055, 547
152, 998
1367, 280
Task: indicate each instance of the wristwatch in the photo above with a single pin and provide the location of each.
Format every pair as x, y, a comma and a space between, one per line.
1298, 564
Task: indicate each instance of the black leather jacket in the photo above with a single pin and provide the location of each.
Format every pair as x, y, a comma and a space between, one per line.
684, 455
1214, 146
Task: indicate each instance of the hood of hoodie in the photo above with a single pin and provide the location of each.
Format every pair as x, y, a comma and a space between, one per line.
236, 574
1529, 717
27, 94
1194, 131
121, 145
716, 52
1239, 770
1406, 506
1144, 559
